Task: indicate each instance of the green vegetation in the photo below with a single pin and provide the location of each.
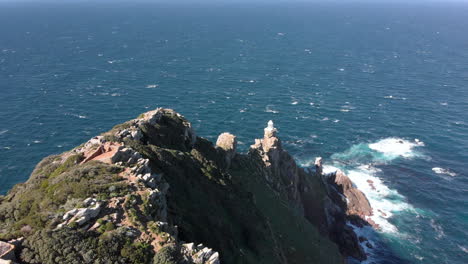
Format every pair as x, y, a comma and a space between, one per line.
51, 185
137, 253
167, 255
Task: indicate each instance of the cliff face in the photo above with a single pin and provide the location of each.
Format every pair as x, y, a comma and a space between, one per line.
151, 191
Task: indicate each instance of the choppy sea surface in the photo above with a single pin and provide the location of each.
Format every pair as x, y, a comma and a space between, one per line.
378, 90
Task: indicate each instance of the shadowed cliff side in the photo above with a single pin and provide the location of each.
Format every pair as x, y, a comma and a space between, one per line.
328, 202
151, 191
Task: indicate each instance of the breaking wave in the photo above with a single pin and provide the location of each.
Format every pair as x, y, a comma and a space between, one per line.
380, 152
361, 164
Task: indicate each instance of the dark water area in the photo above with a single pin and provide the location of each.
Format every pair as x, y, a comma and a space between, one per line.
379, 90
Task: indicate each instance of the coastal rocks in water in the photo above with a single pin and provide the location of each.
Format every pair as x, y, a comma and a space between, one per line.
228, 144
353, 206
356, 202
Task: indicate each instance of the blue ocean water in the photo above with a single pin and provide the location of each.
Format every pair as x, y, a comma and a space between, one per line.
354, 83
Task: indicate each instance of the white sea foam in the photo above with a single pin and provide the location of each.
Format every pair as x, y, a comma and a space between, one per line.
464, 249
396, 147
269, 110
326, 168
152, 86
395, 97
3, 131
384, 201
369, 233
448, 172
359, 163
438, 229
77, 115
294, 102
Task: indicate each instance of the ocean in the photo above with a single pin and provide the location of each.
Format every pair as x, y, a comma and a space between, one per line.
378, 90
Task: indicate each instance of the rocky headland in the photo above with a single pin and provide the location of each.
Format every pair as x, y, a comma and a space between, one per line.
151, 191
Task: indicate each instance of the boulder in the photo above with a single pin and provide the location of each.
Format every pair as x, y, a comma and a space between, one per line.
126, 155
228, 144
82, 215
357, 203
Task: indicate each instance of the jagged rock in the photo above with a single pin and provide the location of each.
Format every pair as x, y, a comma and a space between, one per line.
167, 128
228, 143
142, 167
82, 215
281, 170
132, 133
347, 203
288, 179
70, 214
357, 203
199, 254
318, 165
152, 117
214, 259
89, 201
151, 180
126, 155
189, 247
136, 134
202, 255
98, 140
7, 251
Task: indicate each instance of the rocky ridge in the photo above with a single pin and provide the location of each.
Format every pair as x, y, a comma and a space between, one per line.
151, 191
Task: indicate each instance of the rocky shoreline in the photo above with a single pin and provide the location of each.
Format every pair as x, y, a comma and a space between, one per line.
151, 191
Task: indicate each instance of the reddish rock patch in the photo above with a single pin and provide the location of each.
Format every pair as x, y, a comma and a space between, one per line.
103, 153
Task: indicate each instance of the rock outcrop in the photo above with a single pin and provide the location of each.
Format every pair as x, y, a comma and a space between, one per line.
329, 210
281, 170
7, 253
151, 191
228, 144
